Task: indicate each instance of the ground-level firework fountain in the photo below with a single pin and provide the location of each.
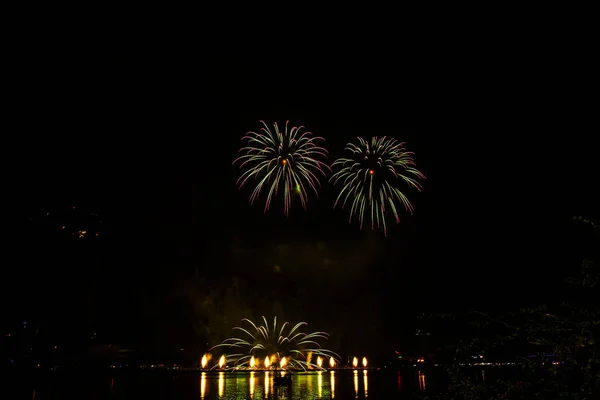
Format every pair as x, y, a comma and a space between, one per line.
269, 347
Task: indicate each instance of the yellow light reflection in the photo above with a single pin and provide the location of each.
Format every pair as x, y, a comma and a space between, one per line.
203, 385
266, 382
283, 363
422, 385
356, 383
365, 362
332, 362
366, 383
267, 362
221, 383
483, 375
332, 384
319, 361
204, 361
252, 362
252, 382
222, 361
320, 383
355, 362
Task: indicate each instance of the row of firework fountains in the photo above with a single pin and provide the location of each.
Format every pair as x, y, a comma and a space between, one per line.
371, 176
273, 362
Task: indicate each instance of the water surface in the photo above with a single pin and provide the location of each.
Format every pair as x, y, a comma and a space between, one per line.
149, 385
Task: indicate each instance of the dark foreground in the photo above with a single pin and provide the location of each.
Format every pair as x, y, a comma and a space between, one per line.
214, 385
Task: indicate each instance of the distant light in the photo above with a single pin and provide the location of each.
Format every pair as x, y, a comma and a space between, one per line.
284, 161
371, 171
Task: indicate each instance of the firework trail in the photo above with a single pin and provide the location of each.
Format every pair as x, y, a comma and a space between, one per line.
370, 179
268, 341
288, 161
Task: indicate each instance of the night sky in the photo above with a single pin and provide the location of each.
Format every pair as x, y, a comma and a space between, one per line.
146, 134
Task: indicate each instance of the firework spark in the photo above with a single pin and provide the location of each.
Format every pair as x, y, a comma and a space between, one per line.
370, 179
269, 345
282, 160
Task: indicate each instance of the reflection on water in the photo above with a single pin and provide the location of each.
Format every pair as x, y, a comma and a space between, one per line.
203, 385
252, 383
305, 386
226, 385
267, 383
221, 384
320, 383
332, 384
421, 381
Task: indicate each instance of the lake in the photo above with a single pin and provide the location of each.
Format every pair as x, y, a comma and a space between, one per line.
148, 385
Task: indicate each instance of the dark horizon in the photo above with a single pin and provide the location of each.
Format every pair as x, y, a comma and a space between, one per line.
148, 141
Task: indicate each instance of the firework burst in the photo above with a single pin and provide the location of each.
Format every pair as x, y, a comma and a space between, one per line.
371, 176
288, 161
279, 346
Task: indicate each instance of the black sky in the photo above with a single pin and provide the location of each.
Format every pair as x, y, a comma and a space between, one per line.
146, 133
